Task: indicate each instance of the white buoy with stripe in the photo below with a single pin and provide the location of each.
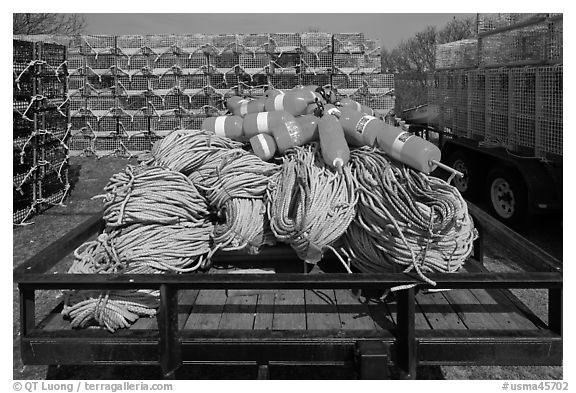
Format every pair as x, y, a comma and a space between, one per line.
408, 148
294, 102
234, 102
263, 146
226, 126
263, 122
253, 106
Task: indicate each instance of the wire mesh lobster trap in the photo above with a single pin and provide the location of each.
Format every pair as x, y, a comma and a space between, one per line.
195, 63
492, 21
316, 63
251, 65
316, 42
497, 95
523, 106
348, 63
98, 44
286, 63
284, 43
253, 43
457, 54
550, 120
193, 84
349, 43
524, 45
163, 125
285, 81
477, 103
460, 122
193, 122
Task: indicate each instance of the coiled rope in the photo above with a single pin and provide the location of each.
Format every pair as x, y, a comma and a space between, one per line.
111, 309
233, 181
310, 206
152, 195
405, 220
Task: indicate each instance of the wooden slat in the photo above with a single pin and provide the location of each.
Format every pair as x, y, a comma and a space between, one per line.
264, 311
207, 310
321, 310
186, 299
471, 312
438, 311
505, 314
238, 313
420, 321
353, 314
289, 310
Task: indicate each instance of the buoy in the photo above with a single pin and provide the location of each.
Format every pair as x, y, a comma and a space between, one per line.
234, 102
333, 146
409, 149
350, 103
263, 146
294, 102
252, 106
360, 129
332, 110
309, 125
290, 134
259, 123
226, 126
272, 93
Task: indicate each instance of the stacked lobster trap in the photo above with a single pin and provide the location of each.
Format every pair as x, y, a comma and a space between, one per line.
41, 127
126, 92
512, 97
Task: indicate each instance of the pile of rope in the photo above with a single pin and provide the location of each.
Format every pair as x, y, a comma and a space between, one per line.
156, 223
310, 206
233, 181
405, 220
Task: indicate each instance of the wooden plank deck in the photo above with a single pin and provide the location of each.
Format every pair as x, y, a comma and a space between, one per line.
474, 309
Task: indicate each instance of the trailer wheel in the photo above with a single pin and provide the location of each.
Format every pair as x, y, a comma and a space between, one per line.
506, 195
461, 162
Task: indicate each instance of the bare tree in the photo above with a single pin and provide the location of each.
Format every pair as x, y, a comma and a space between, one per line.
44, 23
457, 29
417, 53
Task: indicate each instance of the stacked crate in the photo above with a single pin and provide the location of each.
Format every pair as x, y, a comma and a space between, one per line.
40, 127
500, 102
128, 91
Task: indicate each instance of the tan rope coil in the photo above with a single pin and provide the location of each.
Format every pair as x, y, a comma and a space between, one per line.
111, 309
227, 176
405, 220
310, 206
152, 195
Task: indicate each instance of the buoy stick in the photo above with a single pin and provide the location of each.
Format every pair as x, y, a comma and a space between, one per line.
447, 168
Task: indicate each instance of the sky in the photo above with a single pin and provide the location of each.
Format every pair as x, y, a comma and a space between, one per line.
387, 28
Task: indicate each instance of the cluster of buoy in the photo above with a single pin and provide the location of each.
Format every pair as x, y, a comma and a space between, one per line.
280, 120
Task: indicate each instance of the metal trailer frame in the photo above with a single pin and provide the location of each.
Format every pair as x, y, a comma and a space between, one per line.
370, 351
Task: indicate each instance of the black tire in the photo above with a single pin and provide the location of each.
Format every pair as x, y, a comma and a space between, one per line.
468, 185
507, 197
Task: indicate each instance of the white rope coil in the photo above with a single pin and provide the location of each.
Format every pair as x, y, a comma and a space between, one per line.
152, 195
310, 206
406, 220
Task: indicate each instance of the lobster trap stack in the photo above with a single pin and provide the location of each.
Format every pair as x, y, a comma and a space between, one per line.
40, 127
126, 92
512, 96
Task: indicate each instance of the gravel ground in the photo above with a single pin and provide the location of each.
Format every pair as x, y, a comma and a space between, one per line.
89, 177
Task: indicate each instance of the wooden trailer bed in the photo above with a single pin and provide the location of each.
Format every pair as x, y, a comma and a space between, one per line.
293, 317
